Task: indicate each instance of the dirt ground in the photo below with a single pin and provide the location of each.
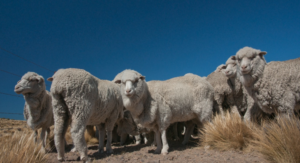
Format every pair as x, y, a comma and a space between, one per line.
177, 153
143, 153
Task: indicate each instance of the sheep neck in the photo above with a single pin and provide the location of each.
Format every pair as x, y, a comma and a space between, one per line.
36, 108
235, 84
253, 80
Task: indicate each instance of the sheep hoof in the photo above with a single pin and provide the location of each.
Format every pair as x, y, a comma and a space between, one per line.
157, 151
138, 142
101, 151
85, 159
109, 151
164, 153
61, 159
73, 149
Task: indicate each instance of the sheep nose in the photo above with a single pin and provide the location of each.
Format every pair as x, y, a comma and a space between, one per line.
128, 91
244, 67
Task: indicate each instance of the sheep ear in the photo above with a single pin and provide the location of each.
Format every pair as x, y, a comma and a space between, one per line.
50, 79
142, 77
262, 53
118, 81
223, 67
233, 57
36, 78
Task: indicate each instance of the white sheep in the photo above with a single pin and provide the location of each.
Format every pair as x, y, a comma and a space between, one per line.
244, 103
38, 108
83, 99
274, 86
157, 104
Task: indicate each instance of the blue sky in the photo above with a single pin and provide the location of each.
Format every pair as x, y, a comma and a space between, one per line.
161, 39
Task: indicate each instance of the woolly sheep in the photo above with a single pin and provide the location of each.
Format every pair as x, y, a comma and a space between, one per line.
223, 93
274, 86
157, 104
83, 99
38, 109
243, 101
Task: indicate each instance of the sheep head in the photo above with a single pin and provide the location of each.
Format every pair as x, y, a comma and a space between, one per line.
132, 85
250, 59
230, 67
30, 83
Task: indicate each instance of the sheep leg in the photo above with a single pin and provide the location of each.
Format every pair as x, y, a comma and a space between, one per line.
189, 129
35, 136
77, 133
145, 138
108, 141
165, 148
154, 141
101, 129
60, 125
137, 139
158, 142
43, 138
247, 116
123, 138
175, 132
221, 110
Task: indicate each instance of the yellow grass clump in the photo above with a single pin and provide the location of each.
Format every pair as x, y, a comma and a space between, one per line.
21, 148
279, 141
228, 132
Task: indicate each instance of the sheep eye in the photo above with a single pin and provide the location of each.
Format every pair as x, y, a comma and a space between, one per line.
136, 80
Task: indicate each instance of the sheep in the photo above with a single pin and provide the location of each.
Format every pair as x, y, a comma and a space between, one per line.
83, 99
223, 93
157, 104
275, 86
38, 108
244, 103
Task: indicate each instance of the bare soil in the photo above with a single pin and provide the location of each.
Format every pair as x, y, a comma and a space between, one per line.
178, 153
143, 153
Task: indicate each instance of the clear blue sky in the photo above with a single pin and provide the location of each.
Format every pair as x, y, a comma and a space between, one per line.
159, 38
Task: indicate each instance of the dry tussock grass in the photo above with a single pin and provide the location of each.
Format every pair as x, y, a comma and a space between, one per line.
21, 148
279, 141
228, 132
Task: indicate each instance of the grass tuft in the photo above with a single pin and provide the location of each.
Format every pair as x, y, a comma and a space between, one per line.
225, 133
21, 148
279, 140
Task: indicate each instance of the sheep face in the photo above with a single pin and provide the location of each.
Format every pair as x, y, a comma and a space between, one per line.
30, 83
127, 125
230, 68
132, 87
221, 68
249, 58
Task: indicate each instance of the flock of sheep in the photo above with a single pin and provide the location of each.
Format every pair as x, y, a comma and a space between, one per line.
245, 84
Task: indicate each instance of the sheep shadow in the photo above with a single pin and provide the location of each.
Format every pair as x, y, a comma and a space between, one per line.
117, 151
178, 146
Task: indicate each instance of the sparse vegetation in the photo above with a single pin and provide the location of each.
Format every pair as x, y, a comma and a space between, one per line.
21, 148
228, 132
279, 141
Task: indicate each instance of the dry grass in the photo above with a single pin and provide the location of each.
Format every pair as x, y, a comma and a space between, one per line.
279, 141
21, 148
229, 132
